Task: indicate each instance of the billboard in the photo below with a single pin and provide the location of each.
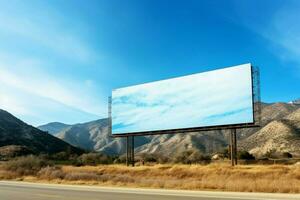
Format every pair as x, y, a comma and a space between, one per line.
216, 98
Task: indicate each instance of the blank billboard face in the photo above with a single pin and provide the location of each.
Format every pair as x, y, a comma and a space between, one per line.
214, 98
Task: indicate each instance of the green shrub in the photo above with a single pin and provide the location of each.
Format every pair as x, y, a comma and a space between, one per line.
147, 158
245, 155
120, 159
163, 159
271, 153
61, 156
287, 155
94, 159
190, 157
225, 153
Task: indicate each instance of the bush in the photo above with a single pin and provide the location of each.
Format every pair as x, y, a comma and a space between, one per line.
94, 159
245, 155
61, 156
287, 155
28, 165
163, 159
147, 158
271, 153
225, 153
120, 159
85, 176
50, 173
153, 158
190, 157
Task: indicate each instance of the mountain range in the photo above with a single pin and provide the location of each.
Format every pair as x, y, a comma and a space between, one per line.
92, 136
279, 132
17, 137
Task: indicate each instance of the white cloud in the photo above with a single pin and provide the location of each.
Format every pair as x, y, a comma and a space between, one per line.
37, 110
21, 85
38, 45
285, 31
280, 27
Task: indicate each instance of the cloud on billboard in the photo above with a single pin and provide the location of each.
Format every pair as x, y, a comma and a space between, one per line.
214, 98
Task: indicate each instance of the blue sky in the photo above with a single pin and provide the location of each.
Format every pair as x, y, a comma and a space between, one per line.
219, 97
59, 60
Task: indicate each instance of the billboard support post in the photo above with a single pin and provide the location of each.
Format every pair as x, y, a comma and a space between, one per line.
235, 147
231, 148
132, 151
127, 151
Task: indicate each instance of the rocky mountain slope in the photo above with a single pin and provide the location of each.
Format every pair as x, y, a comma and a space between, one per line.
277, 119
278, 136
169, 145
93, 136
19, 135
54, 127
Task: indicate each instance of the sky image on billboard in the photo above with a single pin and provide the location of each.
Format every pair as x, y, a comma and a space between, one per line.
214, 98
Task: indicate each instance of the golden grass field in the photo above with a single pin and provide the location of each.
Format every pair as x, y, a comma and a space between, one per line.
242, 178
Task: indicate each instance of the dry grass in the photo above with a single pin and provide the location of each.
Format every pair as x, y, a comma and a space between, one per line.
243, 178
23, 166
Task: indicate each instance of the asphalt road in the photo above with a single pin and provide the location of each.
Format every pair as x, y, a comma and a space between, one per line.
10, 190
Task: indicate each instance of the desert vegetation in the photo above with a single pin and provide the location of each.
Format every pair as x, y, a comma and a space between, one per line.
98, 169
